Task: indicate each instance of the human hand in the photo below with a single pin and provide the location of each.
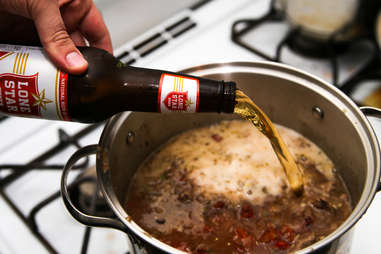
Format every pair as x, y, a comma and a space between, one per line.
61, 26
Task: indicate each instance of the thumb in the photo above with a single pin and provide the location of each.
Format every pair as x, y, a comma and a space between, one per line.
55, 39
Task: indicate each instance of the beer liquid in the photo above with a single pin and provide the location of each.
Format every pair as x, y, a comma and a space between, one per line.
246, 108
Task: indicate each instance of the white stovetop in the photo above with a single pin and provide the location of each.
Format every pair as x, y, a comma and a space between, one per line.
209, 42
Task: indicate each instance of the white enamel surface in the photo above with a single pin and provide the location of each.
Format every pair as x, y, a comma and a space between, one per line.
22, 140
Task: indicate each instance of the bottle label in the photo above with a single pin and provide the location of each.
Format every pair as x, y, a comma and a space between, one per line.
30, 85
178, 93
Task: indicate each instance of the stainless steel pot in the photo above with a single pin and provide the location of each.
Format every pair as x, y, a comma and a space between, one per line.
290, 97
321, 19
326, 20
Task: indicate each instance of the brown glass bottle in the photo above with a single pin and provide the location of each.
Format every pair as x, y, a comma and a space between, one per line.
31, 86
109, 87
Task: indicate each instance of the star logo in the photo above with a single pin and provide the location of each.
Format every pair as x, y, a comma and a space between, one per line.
188, 103
41, 101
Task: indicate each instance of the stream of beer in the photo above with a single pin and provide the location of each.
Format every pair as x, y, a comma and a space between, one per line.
246, 108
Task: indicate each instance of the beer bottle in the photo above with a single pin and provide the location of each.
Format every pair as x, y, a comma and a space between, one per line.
31, 86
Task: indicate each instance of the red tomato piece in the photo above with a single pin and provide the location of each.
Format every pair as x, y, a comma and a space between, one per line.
216, 137
207, 229
247, 211
269, 235
280, 244
241, 233
219, 204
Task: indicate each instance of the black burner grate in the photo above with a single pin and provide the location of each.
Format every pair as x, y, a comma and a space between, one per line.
65, 141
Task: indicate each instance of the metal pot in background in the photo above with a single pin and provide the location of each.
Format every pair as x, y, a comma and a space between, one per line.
321, 19
337, 21
290, 97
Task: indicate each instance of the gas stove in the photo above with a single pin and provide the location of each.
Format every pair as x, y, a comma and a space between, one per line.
33, 152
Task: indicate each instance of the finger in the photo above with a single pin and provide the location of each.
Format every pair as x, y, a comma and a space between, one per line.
95, 31
73, 12
55, 39
63, 2
78, 39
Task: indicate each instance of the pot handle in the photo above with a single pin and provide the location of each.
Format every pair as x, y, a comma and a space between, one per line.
373, 112
82, 217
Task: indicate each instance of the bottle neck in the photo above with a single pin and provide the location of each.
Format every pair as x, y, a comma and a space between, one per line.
168, 91
109, 87
228, 97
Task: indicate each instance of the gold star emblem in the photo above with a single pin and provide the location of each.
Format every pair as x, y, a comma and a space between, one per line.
188, 103
41, 101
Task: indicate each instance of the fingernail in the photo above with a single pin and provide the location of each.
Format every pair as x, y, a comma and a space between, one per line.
74, 59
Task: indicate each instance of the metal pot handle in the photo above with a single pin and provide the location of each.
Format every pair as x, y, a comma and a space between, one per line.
86, 219
373, 112
370, 111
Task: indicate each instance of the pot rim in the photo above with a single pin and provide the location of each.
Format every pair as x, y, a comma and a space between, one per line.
347, 106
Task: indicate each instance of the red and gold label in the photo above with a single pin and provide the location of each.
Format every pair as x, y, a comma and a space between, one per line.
30, 85
178, 93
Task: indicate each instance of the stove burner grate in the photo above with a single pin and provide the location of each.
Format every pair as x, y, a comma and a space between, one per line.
65, 140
